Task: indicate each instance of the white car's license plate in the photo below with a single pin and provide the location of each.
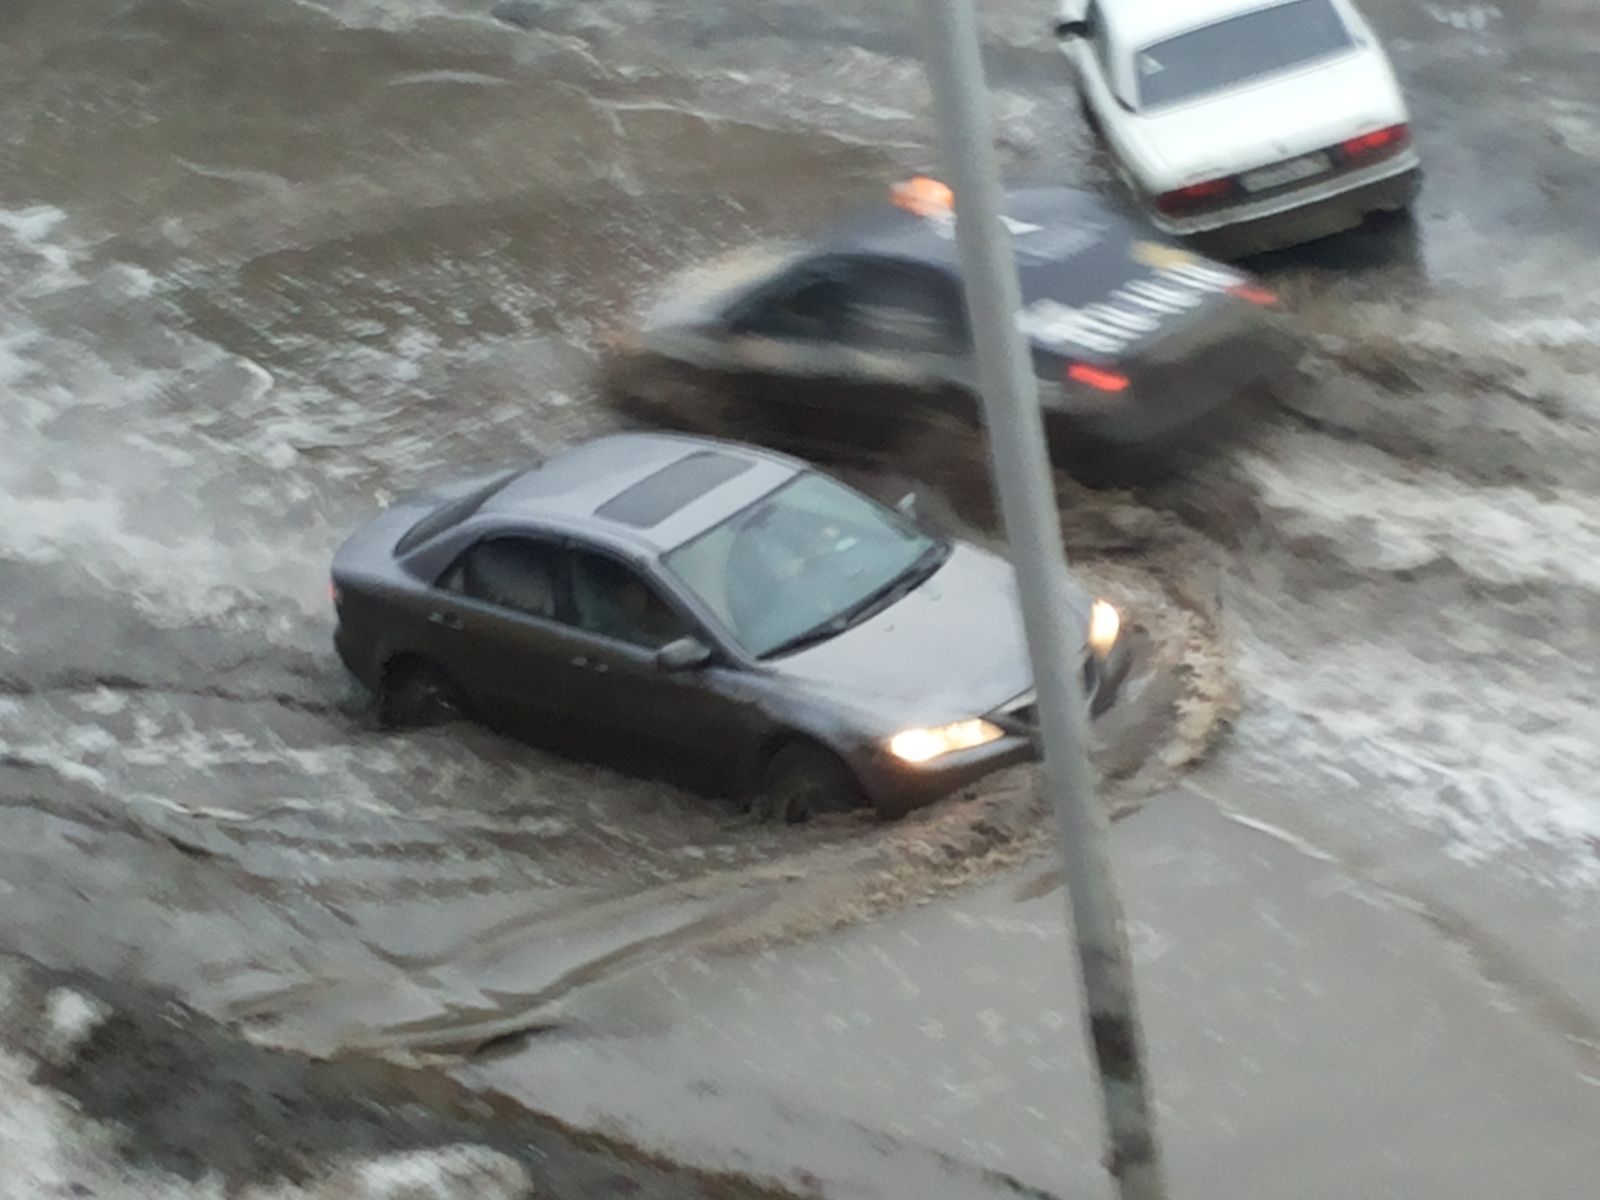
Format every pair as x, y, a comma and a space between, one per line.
1279, 174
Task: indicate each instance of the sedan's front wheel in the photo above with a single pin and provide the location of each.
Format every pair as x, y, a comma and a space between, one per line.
415, 694
803, 781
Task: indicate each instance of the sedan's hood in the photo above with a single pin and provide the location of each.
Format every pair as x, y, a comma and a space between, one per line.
953, 648
1274, 119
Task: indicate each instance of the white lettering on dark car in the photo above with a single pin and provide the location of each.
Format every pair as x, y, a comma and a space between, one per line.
1109, 326
1161, 297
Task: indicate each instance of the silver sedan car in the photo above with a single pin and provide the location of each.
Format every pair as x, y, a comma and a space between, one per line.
715, 604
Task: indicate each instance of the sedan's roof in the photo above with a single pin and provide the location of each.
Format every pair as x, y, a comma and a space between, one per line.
1142, 22
653, 490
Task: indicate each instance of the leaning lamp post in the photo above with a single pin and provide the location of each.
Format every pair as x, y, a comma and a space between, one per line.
1032, 520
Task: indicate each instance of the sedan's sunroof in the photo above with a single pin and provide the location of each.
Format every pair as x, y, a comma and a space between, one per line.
657, 496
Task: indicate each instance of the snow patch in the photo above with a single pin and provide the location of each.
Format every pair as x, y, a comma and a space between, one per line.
52, 1150
442, 1174
1469, 18
70, 1019
31, 230
1383, 517
471, 78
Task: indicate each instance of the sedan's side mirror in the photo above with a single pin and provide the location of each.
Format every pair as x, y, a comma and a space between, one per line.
685, 654
909, 507
1072, 29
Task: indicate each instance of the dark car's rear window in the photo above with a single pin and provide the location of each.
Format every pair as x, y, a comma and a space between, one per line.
450, 513
1237, 50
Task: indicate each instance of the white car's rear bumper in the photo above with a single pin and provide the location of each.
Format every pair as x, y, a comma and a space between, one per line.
1286, 219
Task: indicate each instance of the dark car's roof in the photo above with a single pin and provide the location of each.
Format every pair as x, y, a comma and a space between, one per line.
654, 490
1097, 286
897, 232
1069, 222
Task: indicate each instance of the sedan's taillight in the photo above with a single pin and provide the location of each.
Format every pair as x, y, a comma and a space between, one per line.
1209, 194
335, 594
1097, 377
1377, 144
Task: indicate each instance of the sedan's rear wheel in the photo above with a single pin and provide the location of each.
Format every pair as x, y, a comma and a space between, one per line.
803, 781
416, 694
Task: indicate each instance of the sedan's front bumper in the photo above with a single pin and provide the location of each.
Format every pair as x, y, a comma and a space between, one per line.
895, 787
1104, 676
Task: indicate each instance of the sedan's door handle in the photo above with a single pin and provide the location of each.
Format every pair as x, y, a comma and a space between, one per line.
590, 664
448, 620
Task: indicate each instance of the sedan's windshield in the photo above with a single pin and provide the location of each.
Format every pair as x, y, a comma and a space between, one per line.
1238, 50
803, 563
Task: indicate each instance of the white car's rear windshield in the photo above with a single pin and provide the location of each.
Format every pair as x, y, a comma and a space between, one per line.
1238, 50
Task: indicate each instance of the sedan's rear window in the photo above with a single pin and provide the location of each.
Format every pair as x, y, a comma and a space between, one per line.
450, 513
1238, 50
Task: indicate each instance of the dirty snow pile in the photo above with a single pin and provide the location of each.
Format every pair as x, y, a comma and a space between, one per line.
48, 1148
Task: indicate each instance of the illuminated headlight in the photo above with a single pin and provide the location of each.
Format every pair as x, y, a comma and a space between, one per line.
1105, 623
921, 745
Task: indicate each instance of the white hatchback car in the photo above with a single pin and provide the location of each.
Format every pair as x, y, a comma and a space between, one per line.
1248, 124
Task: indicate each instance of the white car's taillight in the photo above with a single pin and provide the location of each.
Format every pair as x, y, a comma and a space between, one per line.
1380, 143
1211, 193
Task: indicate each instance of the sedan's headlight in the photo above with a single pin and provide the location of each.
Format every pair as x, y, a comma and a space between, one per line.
1105, 623
921, 745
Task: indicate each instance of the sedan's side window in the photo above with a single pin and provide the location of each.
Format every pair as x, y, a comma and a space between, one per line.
515, 573
898, 308
810, 306
615, 601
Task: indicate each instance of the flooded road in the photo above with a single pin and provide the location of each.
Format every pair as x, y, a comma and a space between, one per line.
250, 297
264, 266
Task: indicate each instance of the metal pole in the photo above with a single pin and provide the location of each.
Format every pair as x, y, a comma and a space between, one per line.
1033, 529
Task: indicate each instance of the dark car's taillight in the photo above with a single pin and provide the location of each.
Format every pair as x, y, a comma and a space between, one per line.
1380, 143
1097, 377
1254, 294
1211, 193
335, 594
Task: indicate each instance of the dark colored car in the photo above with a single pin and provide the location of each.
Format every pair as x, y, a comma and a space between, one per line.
1139, 344
713, 603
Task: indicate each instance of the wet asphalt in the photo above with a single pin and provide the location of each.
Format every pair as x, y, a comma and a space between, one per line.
264, 266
